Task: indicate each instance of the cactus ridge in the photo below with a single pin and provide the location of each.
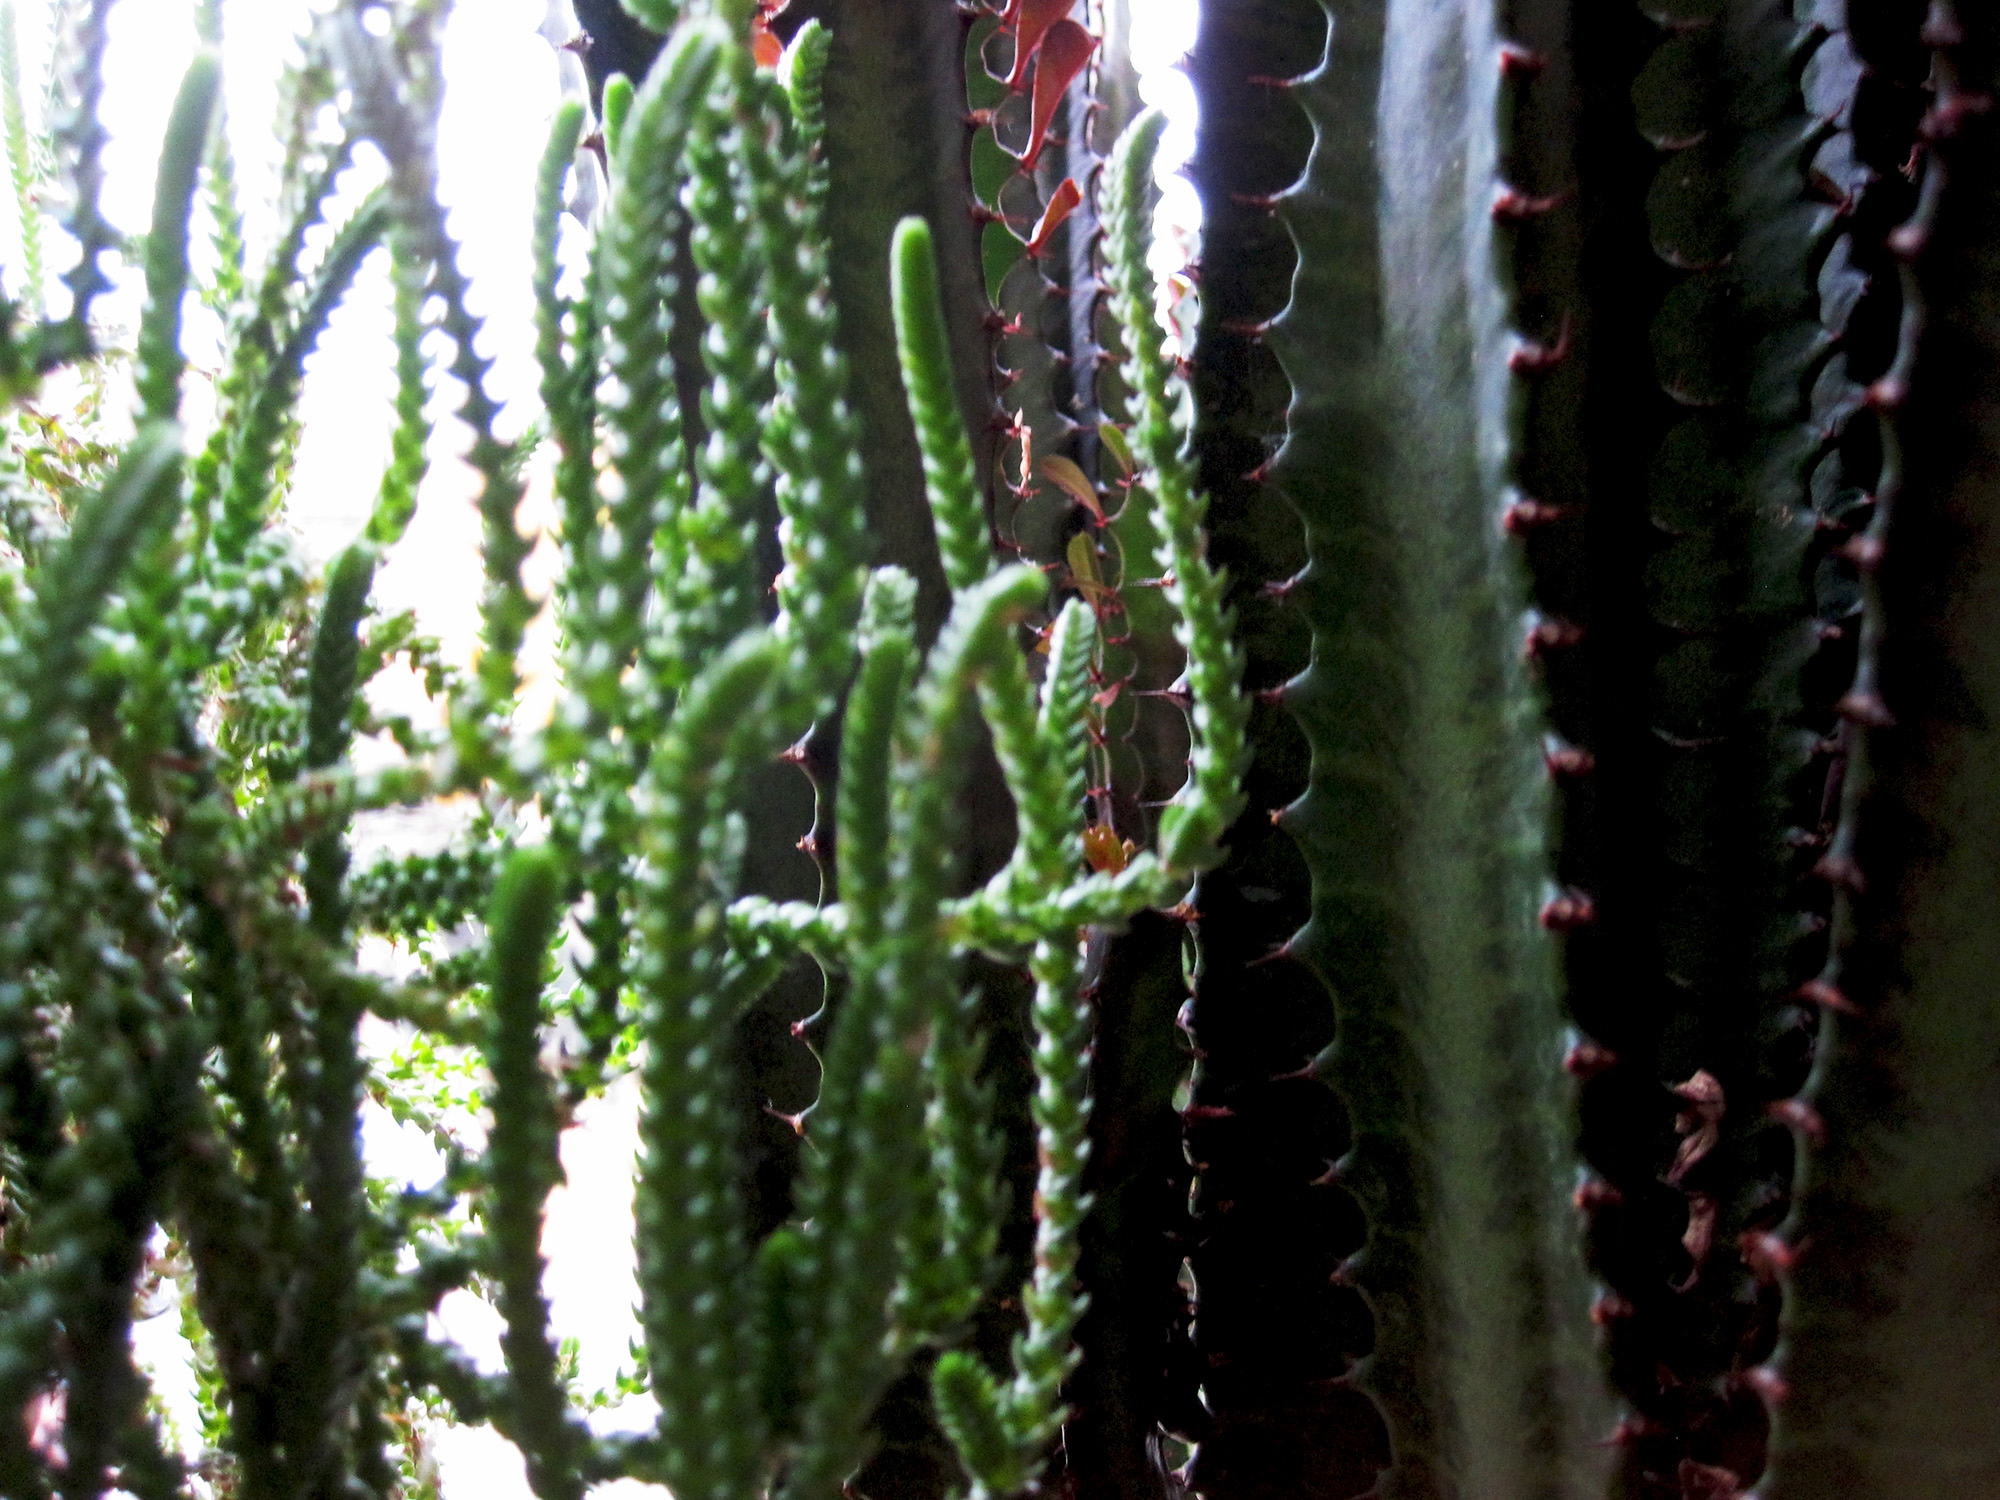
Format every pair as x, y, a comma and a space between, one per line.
1902, 1046
1719, 922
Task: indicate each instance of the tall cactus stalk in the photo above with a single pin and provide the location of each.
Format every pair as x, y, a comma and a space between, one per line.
1398, 894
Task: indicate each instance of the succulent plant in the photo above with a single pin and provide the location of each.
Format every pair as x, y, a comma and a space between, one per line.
1396, 898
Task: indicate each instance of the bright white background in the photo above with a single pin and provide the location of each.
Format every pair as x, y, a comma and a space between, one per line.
501, 88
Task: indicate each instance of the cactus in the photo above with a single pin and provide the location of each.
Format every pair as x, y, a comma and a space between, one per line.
1493, 737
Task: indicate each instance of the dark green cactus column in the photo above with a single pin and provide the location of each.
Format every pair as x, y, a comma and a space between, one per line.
1889, 1355
1276, 1320
1423, 821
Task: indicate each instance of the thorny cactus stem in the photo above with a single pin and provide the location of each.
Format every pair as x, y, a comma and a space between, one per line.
1798, 595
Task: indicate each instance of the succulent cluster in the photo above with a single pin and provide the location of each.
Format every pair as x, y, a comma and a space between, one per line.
1399, 898
183, 992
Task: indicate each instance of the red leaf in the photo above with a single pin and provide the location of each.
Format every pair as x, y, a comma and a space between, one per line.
1065, 49
1061, 202
1030, 20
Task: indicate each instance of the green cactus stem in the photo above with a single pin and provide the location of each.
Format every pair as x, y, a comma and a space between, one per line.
1885, 1384
524, 1166
1422, 818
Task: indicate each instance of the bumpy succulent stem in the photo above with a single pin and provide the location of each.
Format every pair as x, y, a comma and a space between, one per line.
702, 1333
159, 349
524, 1165
1192, 826
21, 168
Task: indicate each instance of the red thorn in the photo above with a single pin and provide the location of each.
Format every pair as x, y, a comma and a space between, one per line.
1550, 634
1907, 241
1594, 1193
1942, 123
1270, 694
1525, 515
1270, 81
1767, 1383
1208, 1112
1184, 912
1610, 1308
1567, 762
1329, 1177
1888, 393
1283, 950
797, 1121
1826, 630
1628, 1431
1841, 870
1259, 474
1253, 331
1587, 1059
1533, 358
1708, 1481
1941, 28
1765, 1254
1568, 910
1268, 202
1801, 1116
810, 844
1518, 62
1281, 588
1512, 206
1828, 996
1865, 708
980, 214
1864, 551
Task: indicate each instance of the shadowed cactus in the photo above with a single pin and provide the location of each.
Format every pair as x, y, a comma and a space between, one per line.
1398, 897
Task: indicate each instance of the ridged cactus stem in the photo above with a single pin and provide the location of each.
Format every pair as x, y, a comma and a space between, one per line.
1422, 820
803, 69
524, 1166
695, 1267
874, 708
565, 354
258, 327
186, 145
330, 693
403, 125
22, 169
249, 487
958, 505
1191, 827
893, 989
648, 486
80, 135
718, 593
812, 436
1047, 1353
396, 498
1885, 1383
